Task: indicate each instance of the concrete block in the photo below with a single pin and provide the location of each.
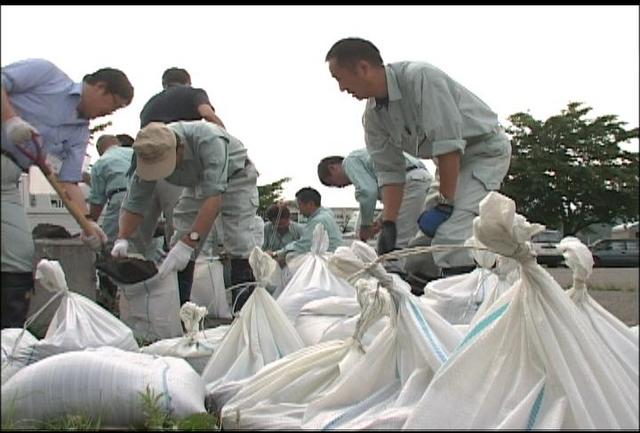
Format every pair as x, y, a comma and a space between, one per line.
79, 264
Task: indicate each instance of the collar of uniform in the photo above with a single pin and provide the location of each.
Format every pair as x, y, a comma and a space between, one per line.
75, 89
393, 91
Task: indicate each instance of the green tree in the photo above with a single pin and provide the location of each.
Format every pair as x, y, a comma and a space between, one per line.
270, 193
569, 171
99, 127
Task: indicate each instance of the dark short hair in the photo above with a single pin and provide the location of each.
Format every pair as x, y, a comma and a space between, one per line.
349, 51
323, 167
276, 212
104, 139
125, 140
116, 82
308, 194
174, 76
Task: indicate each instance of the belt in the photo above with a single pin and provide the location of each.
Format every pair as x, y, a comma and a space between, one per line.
482, 137
114, 192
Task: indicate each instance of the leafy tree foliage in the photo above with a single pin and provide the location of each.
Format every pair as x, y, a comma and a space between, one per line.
99, 127
568, 172
270, 193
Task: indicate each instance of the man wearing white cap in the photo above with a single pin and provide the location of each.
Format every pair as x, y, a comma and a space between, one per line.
211, 165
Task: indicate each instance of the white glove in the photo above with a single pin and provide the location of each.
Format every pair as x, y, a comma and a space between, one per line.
94, 239
19, 131
120, 248
176, 260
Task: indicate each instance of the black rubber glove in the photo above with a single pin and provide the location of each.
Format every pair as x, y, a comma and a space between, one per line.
387, 238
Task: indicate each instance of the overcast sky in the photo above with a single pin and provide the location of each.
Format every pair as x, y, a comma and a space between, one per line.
264, 70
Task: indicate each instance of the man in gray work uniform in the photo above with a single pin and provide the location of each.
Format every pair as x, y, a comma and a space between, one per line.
417, 108
218, 178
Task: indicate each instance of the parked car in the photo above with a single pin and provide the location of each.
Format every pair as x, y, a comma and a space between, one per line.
545, 244
615, 253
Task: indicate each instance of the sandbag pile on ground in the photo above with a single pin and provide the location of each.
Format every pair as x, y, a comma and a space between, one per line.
197, 345
380, 390
260, 335
77, 324
615, 335
277, 396
105, 384
531, 361
313, 279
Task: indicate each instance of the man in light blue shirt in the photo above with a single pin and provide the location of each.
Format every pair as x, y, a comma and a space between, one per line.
309, 203
218, 178
417, 108
280, 230
41, 103
358, 169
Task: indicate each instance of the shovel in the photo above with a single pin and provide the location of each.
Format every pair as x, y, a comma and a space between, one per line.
123, 270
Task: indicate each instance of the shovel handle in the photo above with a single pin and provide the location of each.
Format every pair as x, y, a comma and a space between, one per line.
70, 205
38, 158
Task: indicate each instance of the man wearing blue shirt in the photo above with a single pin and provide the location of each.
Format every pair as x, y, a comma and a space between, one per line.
41, 103
280, 230
357, 169
416, 108
309, 203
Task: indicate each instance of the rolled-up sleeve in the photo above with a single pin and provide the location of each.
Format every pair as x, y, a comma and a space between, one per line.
385, 152
441, 117
139, 194
366, 188
25, 75
214, 155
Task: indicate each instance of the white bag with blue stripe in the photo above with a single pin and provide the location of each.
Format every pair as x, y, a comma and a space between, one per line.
532, 361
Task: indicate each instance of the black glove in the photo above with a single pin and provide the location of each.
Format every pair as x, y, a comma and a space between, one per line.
387, 238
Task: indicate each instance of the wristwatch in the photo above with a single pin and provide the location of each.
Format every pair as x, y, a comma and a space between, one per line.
443, 200
194, 236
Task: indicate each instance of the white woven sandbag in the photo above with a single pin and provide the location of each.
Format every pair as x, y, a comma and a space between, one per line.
313, 279
197, 345
457, 298
615, 335
104, 384
151, 308
531, 361
15, 340
78, 323
507, 272
208, 287
380, 390
260, 335
333, 318
277, 395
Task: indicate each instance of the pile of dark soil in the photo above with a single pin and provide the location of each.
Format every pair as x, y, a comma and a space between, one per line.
126, 270
50, 231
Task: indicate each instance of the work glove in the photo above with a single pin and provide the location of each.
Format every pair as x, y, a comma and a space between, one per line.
19, 131
176, 260
96, 238
387, 238
431, 219
120, 248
